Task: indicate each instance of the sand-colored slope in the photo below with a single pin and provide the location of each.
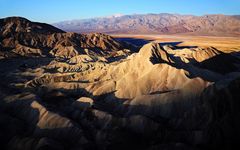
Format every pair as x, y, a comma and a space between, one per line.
151, 78
152, 70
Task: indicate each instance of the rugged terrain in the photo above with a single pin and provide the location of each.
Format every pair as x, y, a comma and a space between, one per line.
63, 90
157, 24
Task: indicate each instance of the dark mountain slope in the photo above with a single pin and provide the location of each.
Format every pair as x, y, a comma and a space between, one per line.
19, 36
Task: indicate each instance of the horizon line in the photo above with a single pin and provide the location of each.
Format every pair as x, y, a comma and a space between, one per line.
113, 15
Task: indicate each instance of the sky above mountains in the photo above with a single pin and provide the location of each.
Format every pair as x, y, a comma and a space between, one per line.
51, 11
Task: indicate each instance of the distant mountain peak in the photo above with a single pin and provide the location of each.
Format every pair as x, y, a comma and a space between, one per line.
114, 16
12, 25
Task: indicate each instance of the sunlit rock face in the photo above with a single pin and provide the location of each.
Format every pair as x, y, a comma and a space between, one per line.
64, 90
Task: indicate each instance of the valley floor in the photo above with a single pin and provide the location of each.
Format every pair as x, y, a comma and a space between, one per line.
226, 44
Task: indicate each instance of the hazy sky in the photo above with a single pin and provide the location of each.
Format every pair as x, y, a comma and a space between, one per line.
51, 11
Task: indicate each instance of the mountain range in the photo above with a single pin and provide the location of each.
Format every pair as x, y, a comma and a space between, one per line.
219, 25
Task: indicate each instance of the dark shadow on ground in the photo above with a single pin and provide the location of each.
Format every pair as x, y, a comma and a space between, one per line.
170, 43
134, 41
175, 45
223, 63
140, 42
